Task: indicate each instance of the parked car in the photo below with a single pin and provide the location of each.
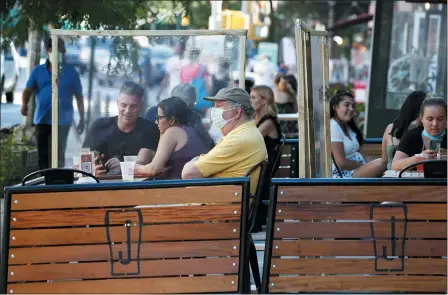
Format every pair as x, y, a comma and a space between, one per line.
9, 71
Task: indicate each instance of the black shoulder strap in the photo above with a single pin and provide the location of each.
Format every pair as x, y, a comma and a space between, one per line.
337, 168
264, 118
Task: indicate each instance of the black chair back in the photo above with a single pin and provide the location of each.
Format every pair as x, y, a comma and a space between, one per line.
279, 149
55, 176
263, 165
431, 168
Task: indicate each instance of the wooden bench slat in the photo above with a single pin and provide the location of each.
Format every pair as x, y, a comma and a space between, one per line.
356, 266
362, 193
358, 212
133, 197
101, 252
203, 284
358, 230
282, 173
285, 161
102, 270
355, 247
358, 284
150, 233
82, 217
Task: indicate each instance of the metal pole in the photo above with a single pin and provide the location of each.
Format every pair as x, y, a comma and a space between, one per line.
242, 54
91, 70
177, 21
54, 100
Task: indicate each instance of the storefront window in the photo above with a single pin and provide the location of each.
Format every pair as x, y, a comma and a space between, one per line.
418, 51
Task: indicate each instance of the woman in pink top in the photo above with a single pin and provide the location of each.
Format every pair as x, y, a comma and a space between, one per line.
196, 74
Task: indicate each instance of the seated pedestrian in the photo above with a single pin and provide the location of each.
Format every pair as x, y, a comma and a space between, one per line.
180, 142
242, 146
123, 135
432, 128
262, 101
408, 117
346, 141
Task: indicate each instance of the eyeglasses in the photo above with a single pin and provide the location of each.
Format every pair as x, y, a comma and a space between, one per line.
160, 117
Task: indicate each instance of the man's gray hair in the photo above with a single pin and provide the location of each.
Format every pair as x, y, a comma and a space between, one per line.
186, 92
248, 111
132, 88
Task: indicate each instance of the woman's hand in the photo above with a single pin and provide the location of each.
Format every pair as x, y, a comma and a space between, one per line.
431, 153
141, 170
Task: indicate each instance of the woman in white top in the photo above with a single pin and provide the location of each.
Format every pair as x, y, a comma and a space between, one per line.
346, 141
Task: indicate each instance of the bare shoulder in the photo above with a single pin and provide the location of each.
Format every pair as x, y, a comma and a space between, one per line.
174, 131
389, 128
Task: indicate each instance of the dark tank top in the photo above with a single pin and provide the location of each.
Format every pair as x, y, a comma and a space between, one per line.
193, 147
271, 143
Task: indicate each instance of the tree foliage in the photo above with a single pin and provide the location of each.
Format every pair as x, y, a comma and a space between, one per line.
85, 14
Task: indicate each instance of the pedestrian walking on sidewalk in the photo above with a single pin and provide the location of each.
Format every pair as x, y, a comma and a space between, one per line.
69, 85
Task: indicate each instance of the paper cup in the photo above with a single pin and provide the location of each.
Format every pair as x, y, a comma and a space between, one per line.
130, 158
127, 170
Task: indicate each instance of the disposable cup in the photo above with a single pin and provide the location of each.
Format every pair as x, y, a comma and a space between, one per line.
77, 162
127, 170
130, 158
77, 165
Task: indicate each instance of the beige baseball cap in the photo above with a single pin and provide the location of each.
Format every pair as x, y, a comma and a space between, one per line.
234, 94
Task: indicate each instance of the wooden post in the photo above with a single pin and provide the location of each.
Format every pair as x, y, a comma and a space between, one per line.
305, 102
54, 101
309, 109
325, 138
307, 145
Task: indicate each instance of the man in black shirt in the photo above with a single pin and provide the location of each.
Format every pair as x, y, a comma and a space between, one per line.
123, 135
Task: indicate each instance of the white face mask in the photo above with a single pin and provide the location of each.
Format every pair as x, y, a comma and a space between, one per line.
217, 119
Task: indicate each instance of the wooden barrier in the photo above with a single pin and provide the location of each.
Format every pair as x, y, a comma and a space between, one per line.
339, 236
150, 237
371, 149
289, 167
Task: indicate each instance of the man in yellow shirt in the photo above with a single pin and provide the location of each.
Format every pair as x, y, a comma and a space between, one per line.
242, 146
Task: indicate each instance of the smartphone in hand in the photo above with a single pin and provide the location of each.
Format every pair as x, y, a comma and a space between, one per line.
99, 159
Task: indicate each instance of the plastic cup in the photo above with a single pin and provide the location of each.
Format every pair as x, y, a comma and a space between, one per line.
77, 165
421, 157
77, 162
127, 170
130, 158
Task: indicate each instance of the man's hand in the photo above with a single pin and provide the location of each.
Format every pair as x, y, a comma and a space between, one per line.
99, 167
113, 166
24, 110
